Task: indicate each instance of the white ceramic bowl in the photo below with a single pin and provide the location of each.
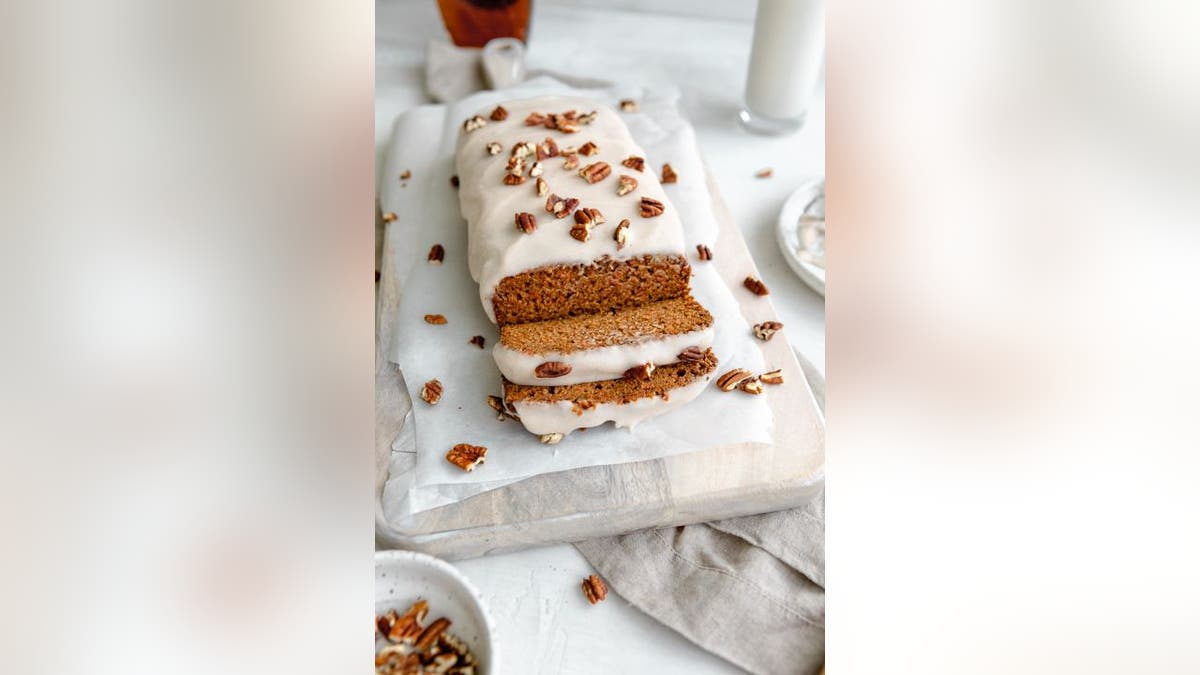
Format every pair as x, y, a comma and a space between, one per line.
403, 577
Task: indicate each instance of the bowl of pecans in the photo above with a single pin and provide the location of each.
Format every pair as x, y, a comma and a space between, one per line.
429, 618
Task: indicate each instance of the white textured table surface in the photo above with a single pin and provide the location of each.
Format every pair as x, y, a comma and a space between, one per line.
544, 623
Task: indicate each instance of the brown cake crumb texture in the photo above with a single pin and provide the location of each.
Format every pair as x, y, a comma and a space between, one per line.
588, 394
560, 291
627, 325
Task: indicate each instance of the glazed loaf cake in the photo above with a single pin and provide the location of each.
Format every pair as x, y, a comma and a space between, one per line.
579, 256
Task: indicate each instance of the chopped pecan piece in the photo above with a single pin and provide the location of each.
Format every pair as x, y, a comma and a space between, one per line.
766, 330
494, 148
581, 231
534, 119
454, 181
640, 372
559, 206
436, 254
547, 148
431, 633
629, 105
587, 118
583, 404
730, 380
495, 403
435, 319
764, 173
704, 252
567, 126
669, 175
431, 393
552, 369
772, 377
552, 203
466, 456
523, 149
570, 160
513, 179
406, 175
650, 208
588, 149
542, 187
589, 216
621, 234
477, 341
595, 172
535, 170
389, 217
474, 123
499, 114
751, 386
634, 162
756, 286
550, 439
525, 222
691, 354
594, 589
626, 184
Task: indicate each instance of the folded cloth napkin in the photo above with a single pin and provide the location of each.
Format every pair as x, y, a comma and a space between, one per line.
750, 590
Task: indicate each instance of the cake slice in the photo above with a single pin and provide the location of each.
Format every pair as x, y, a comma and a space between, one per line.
625, 402
602, 346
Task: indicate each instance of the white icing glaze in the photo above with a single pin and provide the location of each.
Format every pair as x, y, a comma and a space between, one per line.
602, 363
558, 417
497, 249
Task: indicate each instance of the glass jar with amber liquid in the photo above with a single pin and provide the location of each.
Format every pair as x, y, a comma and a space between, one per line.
472, 23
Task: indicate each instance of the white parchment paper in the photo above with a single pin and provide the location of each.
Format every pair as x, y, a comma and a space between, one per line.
428, 213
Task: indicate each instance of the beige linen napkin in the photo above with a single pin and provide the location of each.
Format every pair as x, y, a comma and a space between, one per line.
750, 590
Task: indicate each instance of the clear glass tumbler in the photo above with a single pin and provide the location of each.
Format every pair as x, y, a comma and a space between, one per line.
785, 63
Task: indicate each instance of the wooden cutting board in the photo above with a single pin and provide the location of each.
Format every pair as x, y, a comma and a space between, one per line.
722, 482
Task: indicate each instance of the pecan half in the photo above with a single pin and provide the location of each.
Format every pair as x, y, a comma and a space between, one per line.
431, 393
589, 216
570, 160
499, 114
730, 380
772, 377
542, 187
389, 217
640, 372
629, 105
751, 386
406, 175
534, 119
474, 123
436, 254
704, 252
552, 369
756, 286
766, 330
431, 633
477, 341
594, 589
621, 234
550, 439
513, 179
595, 172
634, 162
525, 222
764, 173
466, 456
650, 208
669, 175
435, 319
626, 184
588, 149
454, 181
691, 354
494, 148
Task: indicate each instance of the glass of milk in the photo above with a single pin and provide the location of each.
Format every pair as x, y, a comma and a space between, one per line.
785, 63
